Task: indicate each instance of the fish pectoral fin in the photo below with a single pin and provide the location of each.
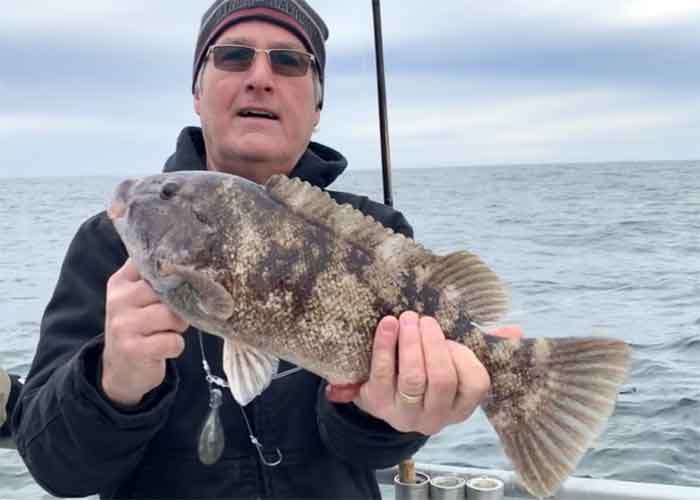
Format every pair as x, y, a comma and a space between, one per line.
212, 298
249, 370
551, 404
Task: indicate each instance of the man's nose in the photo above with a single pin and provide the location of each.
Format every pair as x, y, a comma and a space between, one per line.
260, 76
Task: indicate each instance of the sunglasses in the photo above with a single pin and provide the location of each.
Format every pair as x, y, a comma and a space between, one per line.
285, 62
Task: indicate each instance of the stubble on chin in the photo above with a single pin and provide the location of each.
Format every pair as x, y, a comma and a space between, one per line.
252, 165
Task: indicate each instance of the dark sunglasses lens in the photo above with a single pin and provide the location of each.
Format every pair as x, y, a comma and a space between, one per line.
233, 58
289, 62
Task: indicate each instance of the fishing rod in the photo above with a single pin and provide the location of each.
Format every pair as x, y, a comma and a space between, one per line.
407, 472
381, 96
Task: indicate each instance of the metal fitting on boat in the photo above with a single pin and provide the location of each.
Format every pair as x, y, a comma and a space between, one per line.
447, 488
416, 490
484, 488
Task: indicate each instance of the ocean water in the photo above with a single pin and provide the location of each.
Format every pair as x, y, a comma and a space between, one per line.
601, 249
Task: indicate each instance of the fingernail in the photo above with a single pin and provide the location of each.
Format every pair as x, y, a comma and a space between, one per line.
407, 318
388, 327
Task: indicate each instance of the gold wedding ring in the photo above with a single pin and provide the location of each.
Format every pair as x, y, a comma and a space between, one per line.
410, 399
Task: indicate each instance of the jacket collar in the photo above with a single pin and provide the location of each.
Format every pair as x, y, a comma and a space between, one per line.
319, 165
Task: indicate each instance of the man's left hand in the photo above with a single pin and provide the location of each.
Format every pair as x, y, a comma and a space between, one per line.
432, 383
5, 388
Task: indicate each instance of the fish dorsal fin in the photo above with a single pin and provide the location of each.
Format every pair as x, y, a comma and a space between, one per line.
318, 207
346, 222
485, 296
248, 370
461, 274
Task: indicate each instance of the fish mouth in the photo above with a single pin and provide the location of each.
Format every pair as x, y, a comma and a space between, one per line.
116, 210
118, 205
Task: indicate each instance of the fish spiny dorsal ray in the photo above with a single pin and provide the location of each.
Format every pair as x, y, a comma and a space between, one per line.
460, 278
318, 207
549, 399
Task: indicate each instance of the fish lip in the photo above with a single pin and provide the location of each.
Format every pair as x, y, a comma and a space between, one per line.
118, 205
257, 109
116, 210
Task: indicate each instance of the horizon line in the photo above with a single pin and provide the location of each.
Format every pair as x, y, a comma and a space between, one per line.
378, 167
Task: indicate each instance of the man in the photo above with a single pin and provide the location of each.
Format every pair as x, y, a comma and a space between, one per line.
116, 395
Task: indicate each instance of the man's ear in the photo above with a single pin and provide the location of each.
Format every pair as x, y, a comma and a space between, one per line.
196, 101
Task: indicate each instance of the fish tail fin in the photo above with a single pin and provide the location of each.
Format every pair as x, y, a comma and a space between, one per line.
549, 399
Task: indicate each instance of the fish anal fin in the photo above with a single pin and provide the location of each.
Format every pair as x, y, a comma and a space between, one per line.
551, 401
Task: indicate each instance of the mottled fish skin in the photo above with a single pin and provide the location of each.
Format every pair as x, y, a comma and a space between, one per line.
324, 295
286, 270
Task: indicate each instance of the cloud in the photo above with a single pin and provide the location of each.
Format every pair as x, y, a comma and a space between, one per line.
22, 123
468, 82
643, 13
86, 126
464, 121
154, 23
507, 23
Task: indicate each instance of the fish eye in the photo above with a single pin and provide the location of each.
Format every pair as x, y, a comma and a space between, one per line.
168, 191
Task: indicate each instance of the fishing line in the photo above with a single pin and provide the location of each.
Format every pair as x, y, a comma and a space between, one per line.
212, 440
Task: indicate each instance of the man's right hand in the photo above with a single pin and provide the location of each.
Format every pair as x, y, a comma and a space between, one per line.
140, 334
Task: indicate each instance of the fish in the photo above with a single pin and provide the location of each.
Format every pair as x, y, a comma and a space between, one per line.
282, 271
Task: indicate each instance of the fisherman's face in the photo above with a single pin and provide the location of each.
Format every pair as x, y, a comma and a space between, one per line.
249, 146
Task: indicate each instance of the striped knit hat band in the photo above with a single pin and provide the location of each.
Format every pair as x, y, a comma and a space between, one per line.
295, 15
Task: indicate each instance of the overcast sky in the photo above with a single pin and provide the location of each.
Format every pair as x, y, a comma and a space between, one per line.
103, 86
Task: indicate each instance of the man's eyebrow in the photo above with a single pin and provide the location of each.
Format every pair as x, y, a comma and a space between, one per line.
237, 41
287, 45
241, 40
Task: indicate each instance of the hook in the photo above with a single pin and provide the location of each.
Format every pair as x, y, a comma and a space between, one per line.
260, 448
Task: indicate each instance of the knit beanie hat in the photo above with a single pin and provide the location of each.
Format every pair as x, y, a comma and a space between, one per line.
294, 15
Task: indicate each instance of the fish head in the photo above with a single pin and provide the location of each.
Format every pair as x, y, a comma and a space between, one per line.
171, 222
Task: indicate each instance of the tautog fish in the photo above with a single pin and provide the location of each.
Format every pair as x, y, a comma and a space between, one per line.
283, 271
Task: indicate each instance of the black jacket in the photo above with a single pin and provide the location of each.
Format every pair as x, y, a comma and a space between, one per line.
76, 443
